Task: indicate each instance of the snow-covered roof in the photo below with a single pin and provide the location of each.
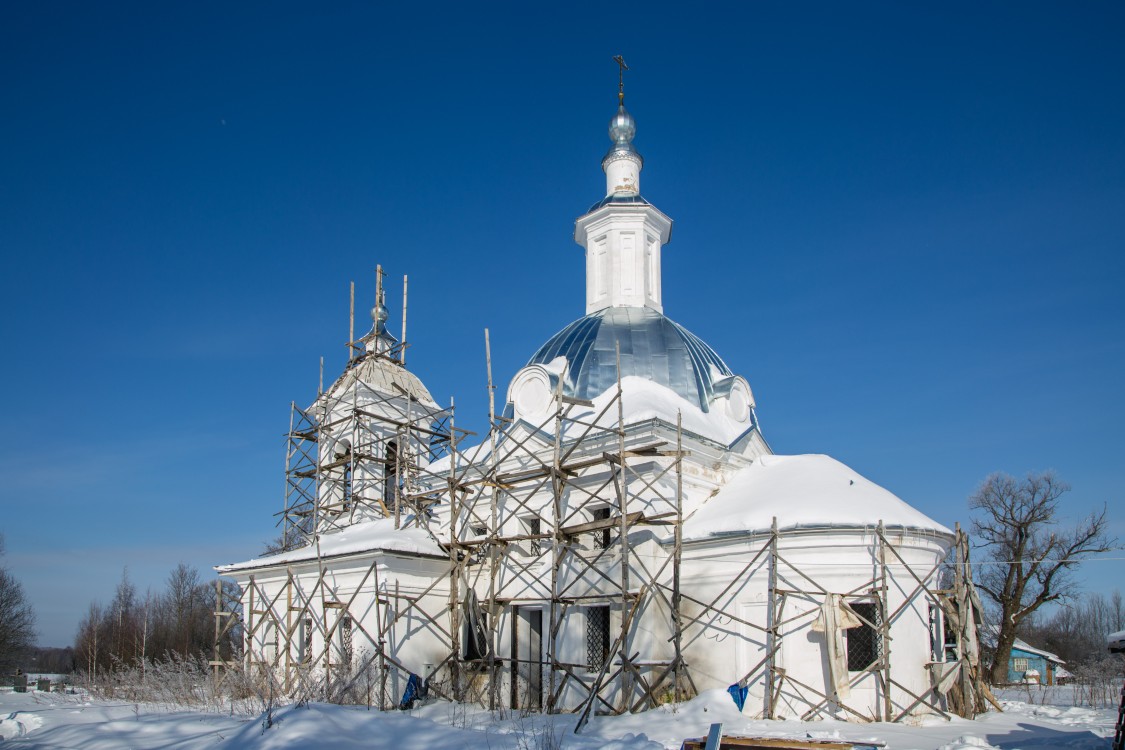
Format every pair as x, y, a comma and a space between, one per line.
380, 535
1023, 646
642, 400
383, 375
805, 491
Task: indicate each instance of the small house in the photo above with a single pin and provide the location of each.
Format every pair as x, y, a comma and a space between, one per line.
1030, 664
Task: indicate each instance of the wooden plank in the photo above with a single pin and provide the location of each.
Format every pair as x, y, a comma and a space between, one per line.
715, 737
741, 742
605, 523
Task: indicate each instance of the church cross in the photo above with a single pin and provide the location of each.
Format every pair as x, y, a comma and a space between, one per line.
622, 67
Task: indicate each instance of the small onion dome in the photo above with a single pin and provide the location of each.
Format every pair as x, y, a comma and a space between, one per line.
622, 129
379, 316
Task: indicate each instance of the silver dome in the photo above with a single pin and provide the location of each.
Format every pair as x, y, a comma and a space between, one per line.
653, 347
622, 127
622, 130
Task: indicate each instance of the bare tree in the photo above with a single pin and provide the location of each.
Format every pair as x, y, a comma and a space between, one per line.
1076, 631
1029, 555
17, 619
86, 642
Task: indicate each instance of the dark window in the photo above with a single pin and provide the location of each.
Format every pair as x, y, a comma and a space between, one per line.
938, 635
390, 475
346, 640
602, 537
863, 640
347, 487
597, 637
306, 647
535, 526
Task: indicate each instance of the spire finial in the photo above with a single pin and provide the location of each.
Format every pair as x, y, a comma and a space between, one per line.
622, 67
379, 313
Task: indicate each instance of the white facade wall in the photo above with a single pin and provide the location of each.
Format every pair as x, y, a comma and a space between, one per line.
274, 611
722, 650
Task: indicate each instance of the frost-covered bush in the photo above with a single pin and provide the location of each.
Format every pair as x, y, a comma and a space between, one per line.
1097, 684
177, 682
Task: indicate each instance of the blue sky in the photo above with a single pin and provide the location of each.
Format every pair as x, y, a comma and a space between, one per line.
903, 224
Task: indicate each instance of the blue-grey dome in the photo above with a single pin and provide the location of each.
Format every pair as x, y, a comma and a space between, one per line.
653, 347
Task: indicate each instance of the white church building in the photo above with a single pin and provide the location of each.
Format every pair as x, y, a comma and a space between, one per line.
622, 537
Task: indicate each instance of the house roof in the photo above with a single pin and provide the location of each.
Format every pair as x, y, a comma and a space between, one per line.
1023, 646
370, 536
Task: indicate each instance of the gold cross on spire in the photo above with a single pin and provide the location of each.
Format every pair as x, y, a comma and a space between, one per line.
622, 67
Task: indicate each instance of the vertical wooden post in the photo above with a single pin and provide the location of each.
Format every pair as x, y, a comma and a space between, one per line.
248, 650
286, 521
677, 554
351, 320
454, 572
884, 624
557, 551
402, 344
494, 531
623, 541
965, 616
382, 603
772, 639
218, 627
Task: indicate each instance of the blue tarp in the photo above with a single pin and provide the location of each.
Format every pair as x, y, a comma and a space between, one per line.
738, 695
415, 690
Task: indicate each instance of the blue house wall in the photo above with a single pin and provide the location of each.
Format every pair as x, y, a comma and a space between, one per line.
1034, 661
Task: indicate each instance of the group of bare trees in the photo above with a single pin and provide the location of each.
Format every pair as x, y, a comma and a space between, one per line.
17, 618
178, 622
1077, 631
1030, 556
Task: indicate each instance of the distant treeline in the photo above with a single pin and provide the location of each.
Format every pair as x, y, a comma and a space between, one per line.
179, 620
47, 660
1076, 631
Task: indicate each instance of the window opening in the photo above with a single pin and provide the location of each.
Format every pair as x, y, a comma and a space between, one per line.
304, 651
937, 634
602, 537
346, 639
597, 637
390, 475
863, 640
347, 486
534, 526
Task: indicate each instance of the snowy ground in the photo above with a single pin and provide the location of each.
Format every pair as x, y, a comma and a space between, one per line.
40, 720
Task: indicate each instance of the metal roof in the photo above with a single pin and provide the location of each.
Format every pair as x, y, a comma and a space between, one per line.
653, 347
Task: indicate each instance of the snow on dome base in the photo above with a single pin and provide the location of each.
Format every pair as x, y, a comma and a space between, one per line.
805, 491
644, 400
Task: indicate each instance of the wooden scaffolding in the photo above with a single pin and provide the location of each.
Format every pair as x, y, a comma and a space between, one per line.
577, 514
544, 517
